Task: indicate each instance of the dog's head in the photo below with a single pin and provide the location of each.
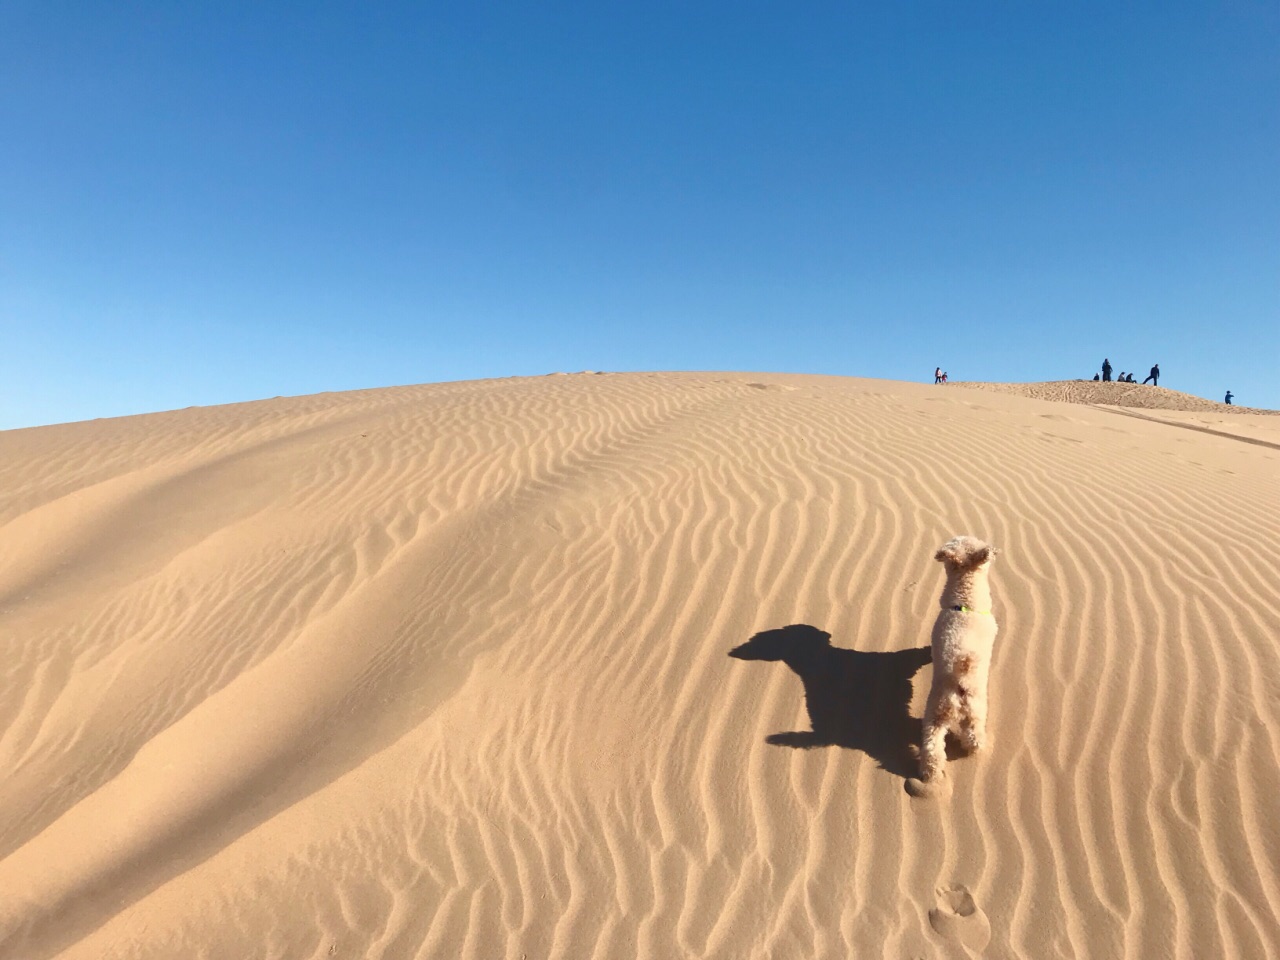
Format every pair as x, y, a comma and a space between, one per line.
965, 553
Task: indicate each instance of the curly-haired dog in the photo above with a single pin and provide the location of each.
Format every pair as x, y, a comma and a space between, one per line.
963, 636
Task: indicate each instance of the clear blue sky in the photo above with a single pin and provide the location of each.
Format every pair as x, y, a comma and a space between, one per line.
204, 203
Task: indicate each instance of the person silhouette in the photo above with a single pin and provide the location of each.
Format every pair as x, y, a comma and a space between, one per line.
1228, 400
1154, 376
937, 374
1106, 370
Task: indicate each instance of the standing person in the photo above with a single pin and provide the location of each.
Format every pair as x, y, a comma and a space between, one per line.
937, 374
1106, 370
1154, 376
1228, 400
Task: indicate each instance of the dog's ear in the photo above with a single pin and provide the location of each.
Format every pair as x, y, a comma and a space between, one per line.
962, 552
953, 551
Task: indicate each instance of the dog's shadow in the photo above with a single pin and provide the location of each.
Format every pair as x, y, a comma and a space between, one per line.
856, 699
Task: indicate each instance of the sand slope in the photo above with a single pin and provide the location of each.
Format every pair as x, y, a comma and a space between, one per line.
443, 671
1143, 396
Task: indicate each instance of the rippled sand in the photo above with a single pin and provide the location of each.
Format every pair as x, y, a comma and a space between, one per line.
443, 671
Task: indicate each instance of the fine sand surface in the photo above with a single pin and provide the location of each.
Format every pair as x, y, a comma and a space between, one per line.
444, 672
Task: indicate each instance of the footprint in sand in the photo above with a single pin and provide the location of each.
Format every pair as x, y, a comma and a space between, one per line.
958, 918
939, 787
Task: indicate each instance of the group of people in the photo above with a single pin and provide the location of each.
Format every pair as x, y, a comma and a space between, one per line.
1153, 377
940, 376
1123, 378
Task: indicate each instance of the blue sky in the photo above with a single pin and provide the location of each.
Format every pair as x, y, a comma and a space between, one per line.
208, 203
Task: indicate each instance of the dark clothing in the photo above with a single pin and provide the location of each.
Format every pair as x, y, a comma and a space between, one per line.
1154, 375
1106, 370
1228, 400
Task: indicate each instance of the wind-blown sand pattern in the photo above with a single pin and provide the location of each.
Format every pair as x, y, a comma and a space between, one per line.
443, 671
1143, 396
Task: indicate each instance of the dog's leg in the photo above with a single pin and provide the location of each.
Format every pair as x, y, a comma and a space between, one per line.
933, 743
973, 723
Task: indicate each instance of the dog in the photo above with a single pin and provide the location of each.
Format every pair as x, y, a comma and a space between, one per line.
963, 636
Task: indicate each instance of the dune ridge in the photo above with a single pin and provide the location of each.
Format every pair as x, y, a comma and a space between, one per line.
1114, 393
443, 671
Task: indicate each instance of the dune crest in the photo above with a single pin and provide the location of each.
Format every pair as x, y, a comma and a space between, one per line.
1114, 393
445, 671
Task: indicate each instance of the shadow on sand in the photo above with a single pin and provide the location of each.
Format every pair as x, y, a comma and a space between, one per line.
857, 700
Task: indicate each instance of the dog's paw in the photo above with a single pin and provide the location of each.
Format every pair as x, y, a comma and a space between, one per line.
972, 740
932, 767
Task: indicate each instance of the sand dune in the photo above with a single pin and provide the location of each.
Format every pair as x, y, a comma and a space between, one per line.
444, 671
1143, 396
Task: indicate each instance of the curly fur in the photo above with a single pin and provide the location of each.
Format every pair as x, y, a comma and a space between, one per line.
962, 642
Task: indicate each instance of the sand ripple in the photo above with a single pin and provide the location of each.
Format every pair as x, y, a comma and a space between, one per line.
443, 671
